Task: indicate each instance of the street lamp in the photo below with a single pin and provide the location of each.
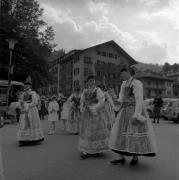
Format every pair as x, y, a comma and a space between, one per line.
12, 43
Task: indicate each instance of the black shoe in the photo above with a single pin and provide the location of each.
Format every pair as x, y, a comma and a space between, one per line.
76, 133
83, 156
118, 161
153, 121
134, 161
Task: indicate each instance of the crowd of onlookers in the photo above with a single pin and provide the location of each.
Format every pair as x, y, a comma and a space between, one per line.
43, 103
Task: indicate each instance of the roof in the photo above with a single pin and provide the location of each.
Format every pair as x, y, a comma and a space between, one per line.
132, 61
79, 51
70, 53
151, 75
173, 74
5, 83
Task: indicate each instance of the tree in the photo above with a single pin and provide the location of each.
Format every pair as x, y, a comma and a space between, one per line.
166, 67
175, 67
21, 19
59, 53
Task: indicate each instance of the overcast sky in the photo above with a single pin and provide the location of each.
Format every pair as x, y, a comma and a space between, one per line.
147, 29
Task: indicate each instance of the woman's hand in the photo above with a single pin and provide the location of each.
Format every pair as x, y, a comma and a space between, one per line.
116, 108
135, 121
82, 109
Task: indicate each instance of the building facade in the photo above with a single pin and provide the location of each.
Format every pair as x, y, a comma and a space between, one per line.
155, 84
72, 69
175, 77
103, 61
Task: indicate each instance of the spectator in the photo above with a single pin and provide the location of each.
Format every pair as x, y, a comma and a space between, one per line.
53, 109
158, 103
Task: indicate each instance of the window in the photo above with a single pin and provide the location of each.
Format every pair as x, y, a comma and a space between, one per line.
169, 92
157, 84
87, 60
98, 62
76, 83
98, 73
98, 52
110, 55
115, 56
76, 59
103, 53
76, 71
109, 64
55, 89
86, 71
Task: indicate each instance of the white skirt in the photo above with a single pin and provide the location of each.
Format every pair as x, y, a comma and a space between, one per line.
53, 117
66, 111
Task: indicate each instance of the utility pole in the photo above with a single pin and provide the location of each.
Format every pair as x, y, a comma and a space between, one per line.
58, 78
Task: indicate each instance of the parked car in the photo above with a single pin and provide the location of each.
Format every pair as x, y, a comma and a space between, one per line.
167, 108
4, 107
175, 111
171, 111
164, 110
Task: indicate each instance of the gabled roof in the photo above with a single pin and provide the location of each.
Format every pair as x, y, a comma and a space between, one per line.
113, 43
151, 75
119, 49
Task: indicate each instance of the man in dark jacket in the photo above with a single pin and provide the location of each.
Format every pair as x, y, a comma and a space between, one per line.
158, 103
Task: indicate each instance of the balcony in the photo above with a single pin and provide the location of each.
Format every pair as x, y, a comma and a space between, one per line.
154, 87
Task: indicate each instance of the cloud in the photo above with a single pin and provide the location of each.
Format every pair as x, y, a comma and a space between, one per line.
58, 16
96, 7
151, 37
147, 30
152, 53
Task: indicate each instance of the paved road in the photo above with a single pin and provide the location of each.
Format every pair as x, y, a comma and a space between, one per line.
58, 158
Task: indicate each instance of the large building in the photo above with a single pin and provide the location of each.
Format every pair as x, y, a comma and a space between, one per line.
102, 60
155, 84
175, 77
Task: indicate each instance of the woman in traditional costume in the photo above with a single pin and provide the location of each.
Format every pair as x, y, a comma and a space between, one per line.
94, 134
74, 118
30, 131
53, 109
132, 134
65, 114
